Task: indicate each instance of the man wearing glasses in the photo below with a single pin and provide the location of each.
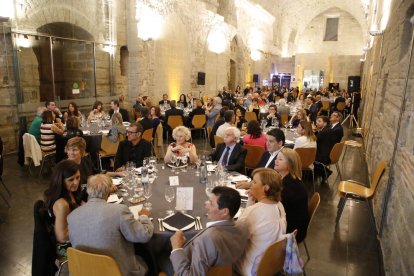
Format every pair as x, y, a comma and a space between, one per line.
134, 149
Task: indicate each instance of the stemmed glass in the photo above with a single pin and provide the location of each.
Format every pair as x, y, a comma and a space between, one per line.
169, 196
177, 164
173, 160
184, 160
136, 198
147, 195
209, 187
153, 163
198, 164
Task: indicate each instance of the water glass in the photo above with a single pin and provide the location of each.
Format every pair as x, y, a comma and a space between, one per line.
147, 195
169, 194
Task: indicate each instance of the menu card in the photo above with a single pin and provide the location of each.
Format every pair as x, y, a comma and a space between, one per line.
184, 198
174, 180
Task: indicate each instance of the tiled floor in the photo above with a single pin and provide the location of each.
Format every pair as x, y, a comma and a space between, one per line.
348, 249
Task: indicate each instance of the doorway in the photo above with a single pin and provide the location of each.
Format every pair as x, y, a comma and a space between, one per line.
232, 79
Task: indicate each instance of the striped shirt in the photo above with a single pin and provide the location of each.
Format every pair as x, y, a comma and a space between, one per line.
47, 138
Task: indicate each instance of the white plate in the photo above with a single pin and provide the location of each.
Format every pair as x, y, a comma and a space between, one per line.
169, 227
175, 167
105, 132
289, 142
117, 181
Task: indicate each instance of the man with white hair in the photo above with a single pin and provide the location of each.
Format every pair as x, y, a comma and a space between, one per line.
213, 111
230, 153
283, 108
109, 229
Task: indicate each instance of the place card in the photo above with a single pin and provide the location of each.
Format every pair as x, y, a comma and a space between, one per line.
184, 198
174, 180
211, 168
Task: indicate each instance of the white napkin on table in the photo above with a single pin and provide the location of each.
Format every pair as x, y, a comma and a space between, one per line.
113, 198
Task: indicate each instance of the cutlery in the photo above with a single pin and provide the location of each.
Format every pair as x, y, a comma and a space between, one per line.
199, 222
196, 225
160, 224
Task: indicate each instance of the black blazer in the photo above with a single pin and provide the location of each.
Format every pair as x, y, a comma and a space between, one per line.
146, 124
236, 159
124, 113
197, 111
264, 159
162, 102
127, 152
337, 132
325, 141
295, 201
174, 111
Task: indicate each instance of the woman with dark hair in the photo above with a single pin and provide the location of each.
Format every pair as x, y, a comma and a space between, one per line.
72, 128
155, 114
239, 118
294, 194
182, 101
264, 216
255, 107
72, 111
254, 135
97, 111
61, 198
48, 129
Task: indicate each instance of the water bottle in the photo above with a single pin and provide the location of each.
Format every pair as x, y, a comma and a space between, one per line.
203, 170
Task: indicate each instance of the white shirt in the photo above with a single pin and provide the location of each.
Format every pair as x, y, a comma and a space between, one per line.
304, 142
273, 156
333, 125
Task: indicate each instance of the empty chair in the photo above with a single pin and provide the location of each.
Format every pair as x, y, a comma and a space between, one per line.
334, 156
250, 116
199, 122
313, 205
307, 157
87, 264
218, 140
174, 121
357, 190
147, 135
254, 153
108, 149
284, 118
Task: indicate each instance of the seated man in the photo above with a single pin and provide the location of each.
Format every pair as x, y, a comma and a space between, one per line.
217, 124
133, 149
221, 243
115, 109
228, 120
109, 229
325, 141
174, 111
336, 127
275, 141
164, 100
230, 153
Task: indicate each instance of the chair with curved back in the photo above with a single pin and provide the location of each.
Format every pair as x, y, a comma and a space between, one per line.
358, 191
254, 153
284, 118
174, 121
218, 140
148, 134
86, 264
307, 157
340, 107
108, 149
326, 107
273, 258
334, 156
199, 122
250, 116
313, 205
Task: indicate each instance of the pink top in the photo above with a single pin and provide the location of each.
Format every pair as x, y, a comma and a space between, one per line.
261, 141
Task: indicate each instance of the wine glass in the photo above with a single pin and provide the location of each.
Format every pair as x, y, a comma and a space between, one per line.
173, 159
209, 188
184, 160
169, 196
153, 163
177, 164
147, 195
138, 191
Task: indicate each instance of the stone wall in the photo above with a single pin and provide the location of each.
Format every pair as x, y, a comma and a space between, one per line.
388, 77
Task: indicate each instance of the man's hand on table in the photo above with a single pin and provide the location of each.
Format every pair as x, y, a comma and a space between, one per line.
177, 240
144, 212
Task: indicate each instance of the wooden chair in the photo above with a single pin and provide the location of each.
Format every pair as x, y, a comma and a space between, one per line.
148, 134
217, 140
273, 258
307, 157
87, 264
199, 122
254, 153
108, 149
250, 116
209, 132
334, 156
326, 106
313, 205
174, 121
158, 143
284, 118
357, 191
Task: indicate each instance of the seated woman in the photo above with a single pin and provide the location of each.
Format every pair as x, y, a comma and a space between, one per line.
155, 114
72, 128
96, 112
72, 111
61, 198
239, 120
265, 218
299, 116
183, 101
117, 128
307, 139
48, 129
255, 107
181, 147
254, 135
294, 194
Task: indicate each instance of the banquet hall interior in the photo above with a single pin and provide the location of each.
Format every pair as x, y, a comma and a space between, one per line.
82, 51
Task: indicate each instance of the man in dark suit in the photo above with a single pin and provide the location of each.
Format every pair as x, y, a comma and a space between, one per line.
325, 140
338, 99
145, 121
230, 153
197, 110
173, 111
115, 108
275, 141
133, 149
222, 242
217, 124
336, 127
164, 100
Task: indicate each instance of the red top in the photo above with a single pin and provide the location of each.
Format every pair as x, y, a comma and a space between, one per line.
261, 141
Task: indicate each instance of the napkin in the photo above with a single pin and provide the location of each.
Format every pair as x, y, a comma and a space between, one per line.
86, 132
174, 180
113, 198
289, 142
179, 220
240, 177
135, 209
116, 181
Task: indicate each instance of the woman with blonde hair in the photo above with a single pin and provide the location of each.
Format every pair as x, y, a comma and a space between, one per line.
299, 116
307, 139
181, 146
294, 194
265, 218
